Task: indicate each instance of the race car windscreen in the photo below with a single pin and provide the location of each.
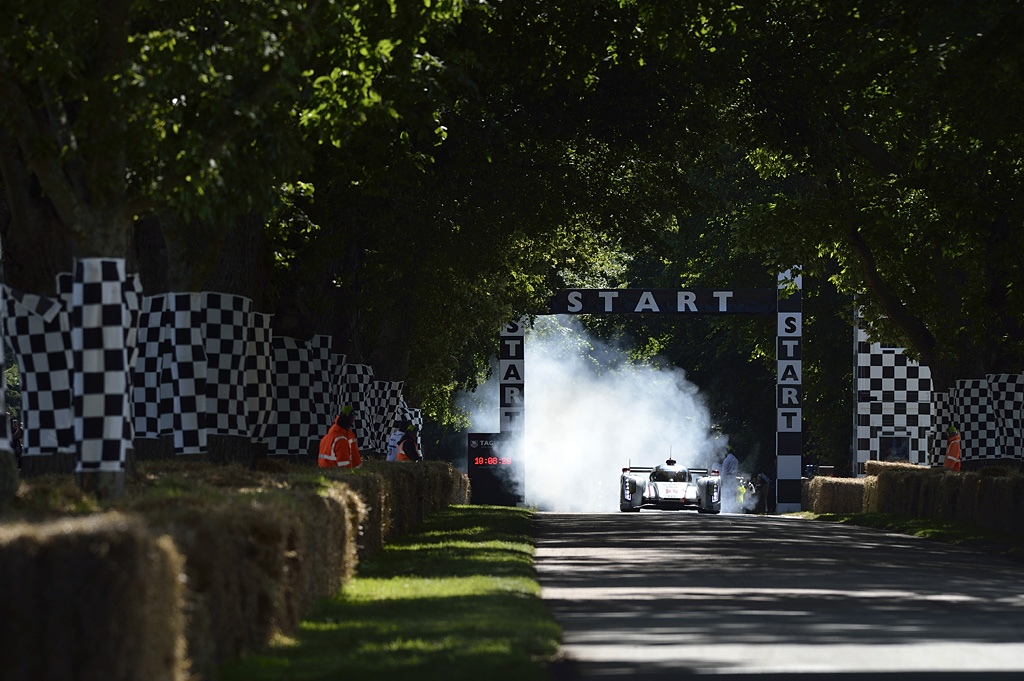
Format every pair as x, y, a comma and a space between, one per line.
662, 475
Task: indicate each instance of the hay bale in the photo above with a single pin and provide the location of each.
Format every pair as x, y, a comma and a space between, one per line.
90, 598
874, 468
835, 495
872, 500
243, 569
947, 498
967, 502
333, 516
999, 499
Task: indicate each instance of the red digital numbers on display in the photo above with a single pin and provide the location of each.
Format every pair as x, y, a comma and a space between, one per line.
492, 461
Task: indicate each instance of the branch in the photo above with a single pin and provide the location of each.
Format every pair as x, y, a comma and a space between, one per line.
12, 172
916, 331
29, 137
874, 153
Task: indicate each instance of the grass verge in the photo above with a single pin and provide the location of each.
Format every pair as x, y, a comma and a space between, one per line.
455, 599
978, 538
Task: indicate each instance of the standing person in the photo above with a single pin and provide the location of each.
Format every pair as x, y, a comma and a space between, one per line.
408, 448
396, 435
952, 460
339, 448
16, 436
730, 488
762, 485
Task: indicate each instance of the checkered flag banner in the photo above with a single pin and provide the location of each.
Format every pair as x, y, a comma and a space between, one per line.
358, 386
336, 385
101, 336
300, 388
38, 331
383, 401
259, 380
6, 443
406, 413
226, 321
1008, 403
321, 386
171, 372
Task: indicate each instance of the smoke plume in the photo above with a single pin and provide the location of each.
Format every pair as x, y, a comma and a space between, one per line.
590, 411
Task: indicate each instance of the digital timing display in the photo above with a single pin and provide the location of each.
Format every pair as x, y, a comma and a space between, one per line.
492, 460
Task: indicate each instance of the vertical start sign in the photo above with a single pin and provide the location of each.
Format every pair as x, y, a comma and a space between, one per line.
511, 378
789, 395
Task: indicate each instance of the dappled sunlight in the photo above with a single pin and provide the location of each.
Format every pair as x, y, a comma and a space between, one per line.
660, 592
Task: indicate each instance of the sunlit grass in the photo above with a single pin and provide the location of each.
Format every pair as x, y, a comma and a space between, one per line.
1001, 543
456, 599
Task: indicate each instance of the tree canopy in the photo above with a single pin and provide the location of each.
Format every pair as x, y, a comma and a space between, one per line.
419, 172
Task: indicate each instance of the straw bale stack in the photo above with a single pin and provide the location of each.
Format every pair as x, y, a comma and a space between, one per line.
834, 495
89, 598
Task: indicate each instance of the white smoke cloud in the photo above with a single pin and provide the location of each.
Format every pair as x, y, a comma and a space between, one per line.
590, 412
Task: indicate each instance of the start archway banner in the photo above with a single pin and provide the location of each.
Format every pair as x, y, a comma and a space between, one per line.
784, 301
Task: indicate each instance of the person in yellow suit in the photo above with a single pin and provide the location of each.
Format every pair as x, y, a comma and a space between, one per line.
339, 448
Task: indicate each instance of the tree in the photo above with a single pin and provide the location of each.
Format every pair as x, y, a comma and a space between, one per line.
189, 112
890, 131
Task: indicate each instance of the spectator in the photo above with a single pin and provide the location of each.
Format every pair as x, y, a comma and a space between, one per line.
408, 447
762, 486
339, 448
16, 437
952, 460
730, 485
396, 435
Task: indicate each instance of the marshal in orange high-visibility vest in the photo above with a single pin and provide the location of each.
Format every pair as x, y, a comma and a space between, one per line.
408, 450
952, 460
338, 448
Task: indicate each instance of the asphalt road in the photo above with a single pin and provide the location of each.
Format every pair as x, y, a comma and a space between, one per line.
677, 595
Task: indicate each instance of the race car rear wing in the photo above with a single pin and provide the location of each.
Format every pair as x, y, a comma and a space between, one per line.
648, 469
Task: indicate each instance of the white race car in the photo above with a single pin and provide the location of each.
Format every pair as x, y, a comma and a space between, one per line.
670, 486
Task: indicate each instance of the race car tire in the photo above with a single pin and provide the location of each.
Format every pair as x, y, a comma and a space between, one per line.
629, 509
708, 510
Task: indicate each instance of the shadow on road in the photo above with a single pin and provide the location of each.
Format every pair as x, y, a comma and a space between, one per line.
665, 594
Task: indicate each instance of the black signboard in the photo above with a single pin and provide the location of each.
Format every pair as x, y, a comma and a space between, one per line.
493, 468
747, 301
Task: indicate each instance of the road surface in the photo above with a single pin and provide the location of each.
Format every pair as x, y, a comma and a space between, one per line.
677, 595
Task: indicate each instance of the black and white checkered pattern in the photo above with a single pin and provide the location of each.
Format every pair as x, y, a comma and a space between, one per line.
38, 330
336, 384
181, 364
942, 420
226, 322
192, 373
1008, 404
101, 317
893, 399
146, 383
259, 385
975, 411
323, 388
6, 436
381, 404
302, 394
406, 413
358, 384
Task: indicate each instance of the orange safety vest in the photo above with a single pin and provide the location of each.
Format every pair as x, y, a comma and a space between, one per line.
402, 456
952, 453
338, 449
